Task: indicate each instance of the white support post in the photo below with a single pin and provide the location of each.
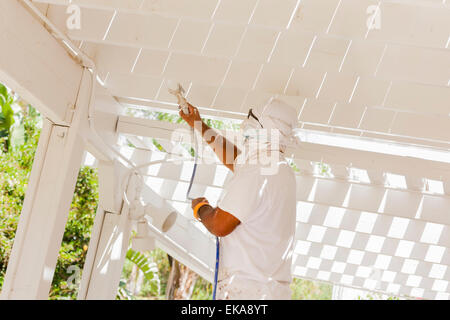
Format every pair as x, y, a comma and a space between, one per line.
39, 69
91, 253
46, 207
109, 238
101, 274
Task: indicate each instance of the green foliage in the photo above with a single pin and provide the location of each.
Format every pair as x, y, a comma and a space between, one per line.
322, 169
6, 116
156, 269
15, 165
77, 234
163, 265
293, 165
310, 290
377, 296
148, 268
158, 146
203, 290
123, 293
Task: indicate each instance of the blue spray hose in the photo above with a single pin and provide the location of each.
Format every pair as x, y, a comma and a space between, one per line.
194, 170
216, 270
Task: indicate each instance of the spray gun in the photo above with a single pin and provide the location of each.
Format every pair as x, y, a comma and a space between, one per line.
179, 93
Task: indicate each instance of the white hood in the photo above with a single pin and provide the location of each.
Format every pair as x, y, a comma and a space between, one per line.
278, 120
276, 114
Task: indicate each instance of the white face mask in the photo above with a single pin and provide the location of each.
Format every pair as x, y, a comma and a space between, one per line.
249, 129
265, 131
254, 139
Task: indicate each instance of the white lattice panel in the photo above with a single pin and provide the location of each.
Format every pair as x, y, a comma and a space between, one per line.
355, 234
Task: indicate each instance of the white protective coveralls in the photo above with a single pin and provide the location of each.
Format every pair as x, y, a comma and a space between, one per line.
255, 259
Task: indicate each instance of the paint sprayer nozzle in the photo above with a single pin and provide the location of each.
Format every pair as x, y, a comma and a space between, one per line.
179, 93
